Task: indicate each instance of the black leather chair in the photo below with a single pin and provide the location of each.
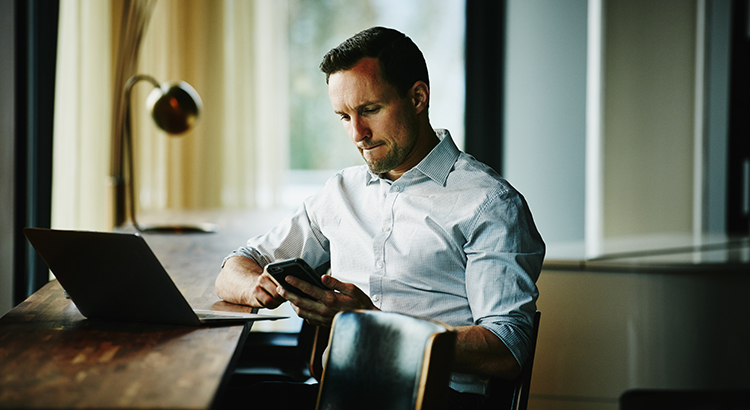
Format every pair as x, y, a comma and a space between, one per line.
381, 360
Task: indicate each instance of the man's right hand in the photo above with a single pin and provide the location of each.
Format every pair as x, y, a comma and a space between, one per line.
242, 281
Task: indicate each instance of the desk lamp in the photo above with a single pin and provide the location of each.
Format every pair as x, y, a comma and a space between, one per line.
175, 109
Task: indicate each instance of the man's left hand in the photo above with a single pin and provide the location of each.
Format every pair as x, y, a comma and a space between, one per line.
320, 310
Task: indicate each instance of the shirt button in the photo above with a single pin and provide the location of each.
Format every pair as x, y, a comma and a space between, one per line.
387, 229
397, 188
375, 298
379, 264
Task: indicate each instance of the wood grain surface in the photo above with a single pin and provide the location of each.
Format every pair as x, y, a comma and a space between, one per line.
52, 357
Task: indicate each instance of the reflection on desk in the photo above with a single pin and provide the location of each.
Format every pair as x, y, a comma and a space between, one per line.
53, 357
655, 253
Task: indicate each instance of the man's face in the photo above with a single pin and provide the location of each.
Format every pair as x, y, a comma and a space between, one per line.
382, 125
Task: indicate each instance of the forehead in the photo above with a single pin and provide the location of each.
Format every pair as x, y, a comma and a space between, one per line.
359, 85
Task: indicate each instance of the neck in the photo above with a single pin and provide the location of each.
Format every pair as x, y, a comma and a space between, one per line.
426, 141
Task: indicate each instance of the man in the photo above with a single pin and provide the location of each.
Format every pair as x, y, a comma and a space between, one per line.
423, 229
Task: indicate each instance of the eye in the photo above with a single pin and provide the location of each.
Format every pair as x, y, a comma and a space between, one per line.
343, 117
370, 110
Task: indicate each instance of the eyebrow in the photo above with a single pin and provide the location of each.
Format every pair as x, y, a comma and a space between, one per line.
359, 107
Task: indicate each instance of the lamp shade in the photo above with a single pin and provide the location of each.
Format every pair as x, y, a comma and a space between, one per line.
174, 107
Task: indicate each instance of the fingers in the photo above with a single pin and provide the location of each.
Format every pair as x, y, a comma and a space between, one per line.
331, 282
313, 311
355, 298
265, 292
319, 310
313, 317
313, 291
326, 303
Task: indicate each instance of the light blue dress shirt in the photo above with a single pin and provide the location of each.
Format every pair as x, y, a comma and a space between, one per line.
449, 240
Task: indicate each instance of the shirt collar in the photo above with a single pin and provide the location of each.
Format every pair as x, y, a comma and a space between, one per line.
437, 164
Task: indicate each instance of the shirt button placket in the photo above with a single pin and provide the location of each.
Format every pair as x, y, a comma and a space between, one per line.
376, 281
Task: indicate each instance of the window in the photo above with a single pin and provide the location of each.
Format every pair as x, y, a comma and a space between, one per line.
268, 136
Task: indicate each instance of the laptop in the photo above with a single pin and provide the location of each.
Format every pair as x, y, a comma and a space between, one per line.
116, 276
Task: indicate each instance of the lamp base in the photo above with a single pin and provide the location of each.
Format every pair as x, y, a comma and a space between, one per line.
180, 229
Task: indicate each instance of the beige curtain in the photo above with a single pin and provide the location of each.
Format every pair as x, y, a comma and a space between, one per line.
232, 52
82, 125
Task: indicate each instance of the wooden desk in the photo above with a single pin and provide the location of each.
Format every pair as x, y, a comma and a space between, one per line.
52, 357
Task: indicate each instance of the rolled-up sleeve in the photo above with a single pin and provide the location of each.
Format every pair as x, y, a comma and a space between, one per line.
504, 258
294, 237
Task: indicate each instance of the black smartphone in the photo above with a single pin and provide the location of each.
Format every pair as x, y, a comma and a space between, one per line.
294, 267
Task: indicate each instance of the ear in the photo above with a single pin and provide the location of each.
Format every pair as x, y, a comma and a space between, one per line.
420, 94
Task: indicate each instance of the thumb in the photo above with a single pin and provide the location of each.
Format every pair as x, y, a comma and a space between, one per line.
349, 295
344, 288
333, 283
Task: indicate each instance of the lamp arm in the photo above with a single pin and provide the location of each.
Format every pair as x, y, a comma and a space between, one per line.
136, 78
127, 141
126, 144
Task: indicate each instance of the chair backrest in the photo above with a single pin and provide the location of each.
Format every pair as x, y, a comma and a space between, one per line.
385, 360
514, 394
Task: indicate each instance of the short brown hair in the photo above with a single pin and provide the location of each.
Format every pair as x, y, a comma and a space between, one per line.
401, 62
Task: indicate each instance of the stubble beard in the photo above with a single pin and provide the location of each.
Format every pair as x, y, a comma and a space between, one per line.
391, 160
397, 153
395, 156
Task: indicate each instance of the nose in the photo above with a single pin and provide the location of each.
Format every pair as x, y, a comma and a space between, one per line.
359, 129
